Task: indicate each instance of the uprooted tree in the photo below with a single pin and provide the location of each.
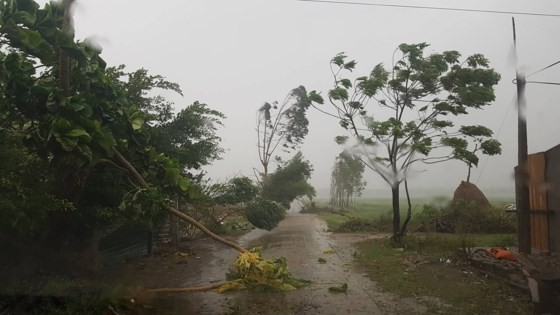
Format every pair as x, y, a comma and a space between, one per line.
410, 123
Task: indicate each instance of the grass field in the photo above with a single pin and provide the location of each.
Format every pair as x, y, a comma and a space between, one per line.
370, 209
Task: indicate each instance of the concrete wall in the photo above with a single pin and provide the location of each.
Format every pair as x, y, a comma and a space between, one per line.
553, 198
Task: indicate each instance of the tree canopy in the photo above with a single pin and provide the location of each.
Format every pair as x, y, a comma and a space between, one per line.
289, 181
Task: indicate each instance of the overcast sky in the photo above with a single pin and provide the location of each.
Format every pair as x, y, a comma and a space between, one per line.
236, 54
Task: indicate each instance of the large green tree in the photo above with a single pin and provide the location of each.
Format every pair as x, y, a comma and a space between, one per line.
400, 116
74, 114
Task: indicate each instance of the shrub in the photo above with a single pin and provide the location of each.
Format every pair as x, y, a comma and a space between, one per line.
265, 214
312, 207
465, 217
355, 225
470, 218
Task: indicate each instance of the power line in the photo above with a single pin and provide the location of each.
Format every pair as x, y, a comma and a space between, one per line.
514, 81
432, 8
539, 71
541, 82
497, 136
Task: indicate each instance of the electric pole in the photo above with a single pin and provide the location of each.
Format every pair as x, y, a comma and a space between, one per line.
521, 175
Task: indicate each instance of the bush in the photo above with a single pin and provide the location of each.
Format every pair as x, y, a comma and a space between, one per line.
465, 217
312, 207
355, 225
265, 214
385, 222
470, 218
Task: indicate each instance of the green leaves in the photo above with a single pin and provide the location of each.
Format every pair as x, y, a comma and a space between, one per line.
24, 18
68, 135
29, 38
78, 132
265, 214
345, 83
491, 147
315, 97
184, 183
476, 131
340, 140
338, 93
340, 61
289, 181
137, 123
251, 271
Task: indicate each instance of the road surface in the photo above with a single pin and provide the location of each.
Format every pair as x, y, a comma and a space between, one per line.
302, 239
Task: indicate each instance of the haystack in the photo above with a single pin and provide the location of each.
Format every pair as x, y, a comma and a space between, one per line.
468, 192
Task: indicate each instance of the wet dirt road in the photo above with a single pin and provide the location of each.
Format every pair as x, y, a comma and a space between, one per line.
302, 239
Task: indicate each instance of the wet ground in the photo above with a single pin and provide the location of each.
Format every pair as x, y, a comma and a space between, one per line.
302, 239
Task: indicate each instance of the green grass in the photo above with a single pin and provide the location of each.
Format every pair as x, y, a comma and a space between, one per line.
381, 210
368, 209
415, 270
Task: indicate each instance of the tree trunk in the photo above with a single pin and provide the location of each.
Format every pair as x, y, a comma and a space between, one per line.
396, 211
408, 212
124, 163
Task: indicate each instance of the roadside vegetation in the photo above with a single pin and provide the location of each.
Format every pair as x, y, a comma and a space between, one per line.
428, 215
430, 263
430, 268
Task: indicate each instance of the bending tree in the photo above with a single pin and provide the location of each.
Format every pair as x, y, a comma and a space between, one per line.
409, 120
283, 126
346, 180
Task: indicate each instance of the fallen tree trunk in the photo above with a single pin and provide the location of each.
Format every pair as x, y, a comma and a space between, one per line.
189, 290
124, 163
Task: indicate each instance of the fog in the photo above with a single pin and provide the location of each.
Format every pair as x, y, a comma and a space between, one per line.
236, 55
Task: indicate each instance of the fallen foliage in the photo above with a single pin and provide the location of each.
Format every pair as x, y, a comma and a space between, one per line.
251, 271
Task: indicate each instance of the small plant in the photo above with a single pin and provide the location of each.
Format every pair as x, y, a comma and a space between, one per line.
467, 245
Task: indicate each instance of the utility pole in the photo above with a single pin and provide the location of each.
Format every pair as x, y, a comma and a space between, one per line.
521, 175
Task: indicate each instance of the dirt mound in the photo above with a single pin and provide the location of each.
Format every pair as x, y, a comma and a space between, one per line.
468, 192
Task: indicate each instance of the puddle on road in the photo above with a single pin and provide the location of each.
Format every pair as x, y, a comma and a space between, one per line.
247, 239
